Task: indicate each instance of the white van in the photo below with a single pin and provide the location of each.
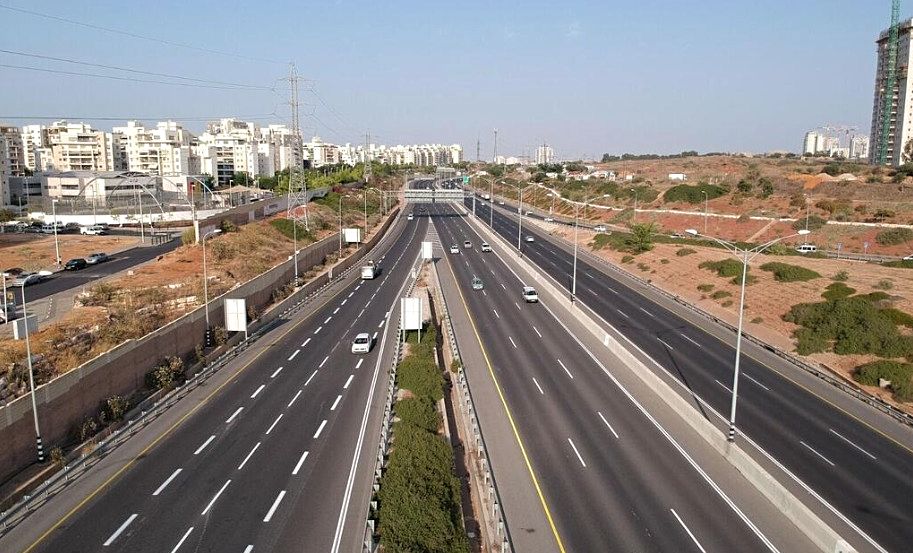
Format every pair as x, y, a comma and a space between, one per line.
807, 248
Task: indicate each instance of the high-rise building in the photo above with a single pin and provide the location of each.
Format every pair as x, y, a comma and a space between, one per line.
77, 147
4, 173
164, 150
14, 150
544, 154
34, 144
815, 143
900, 99
859, 147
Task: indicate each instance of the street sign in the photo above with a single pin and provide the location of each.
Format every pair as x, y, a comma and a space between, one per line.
236, 315
465, 180
19, 326
410, 313
351, 235
426, 250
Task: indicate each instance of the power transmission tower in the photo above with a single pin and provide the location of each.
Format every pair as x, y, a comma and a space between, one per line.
887, 95
478, 148
368, 169
297, 187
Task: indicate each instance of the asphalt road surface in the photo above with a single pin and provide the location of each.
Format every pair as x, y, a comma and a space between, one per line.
865, 475
612, 480
266, 465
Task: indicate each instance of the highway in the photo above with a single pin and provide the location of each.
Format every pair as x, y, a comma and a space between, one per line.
612, 480
862, 473
279, 460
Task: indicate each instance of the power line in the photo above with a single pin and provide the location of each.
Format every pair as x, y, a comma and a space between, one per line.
131, 70
258, 117
134, 35
331, 110
116, 78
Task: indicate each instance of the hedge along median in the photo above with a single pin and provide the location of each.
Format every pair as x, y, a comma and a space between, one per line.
419, 494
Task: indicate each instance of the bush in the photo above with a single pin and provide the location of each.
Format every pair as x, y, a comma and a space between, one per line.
720, 294
419, 412
784, 272
705, 287
287, 228
854, 325
898, 317
643, 266
664, 261
728, 268
838, 290
726, 303
693, 194
685, 251
189, 236
757, 320
841, 276
894, 236
900, 375
641, 239
166, 374
900, 264
884, 285
627, 259
814, 223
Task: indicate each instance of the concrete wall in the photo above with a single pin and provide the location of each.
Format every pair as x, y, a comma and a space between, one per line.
244, 214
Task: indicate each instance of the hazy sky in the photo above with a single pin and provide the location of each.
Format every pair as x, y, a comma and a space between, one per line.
586, 77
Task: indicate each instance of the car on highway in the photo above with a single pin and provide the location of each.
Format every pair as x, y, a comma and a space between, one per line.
807, 248
477, 283
530, 238
908, 258
93, 230
530, 295
75, 264
13, 272
454, 249
500, 202
467, 244
486, 247
27, 279
96, 258
549, 220
410, 217
599, 228
361, 343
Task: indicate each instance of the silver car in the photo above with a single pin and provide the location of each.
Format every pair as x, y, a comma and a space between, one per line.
26, 279
95, 258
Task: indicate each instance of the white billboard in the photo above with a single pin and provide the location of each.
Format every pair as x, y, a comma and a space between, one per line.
236, 315
351, 235
19, 326
410, 313
426, 250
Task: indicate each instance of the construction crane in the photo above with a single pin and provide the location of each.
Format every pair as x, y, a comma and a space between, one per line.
887, 95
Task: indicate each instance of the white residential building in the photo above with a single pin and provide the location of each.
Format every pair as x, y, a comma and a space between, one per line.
281, 148
15, 151
34, 143
815, 143
163, 150
77, 147
227, 147
5, 173
859, 147
544, 154
900, 99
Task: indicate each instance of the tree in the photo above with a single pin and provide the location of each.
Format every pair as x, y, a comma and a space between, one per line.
767, 187
907, 153
642, 237
241, 178
745, 186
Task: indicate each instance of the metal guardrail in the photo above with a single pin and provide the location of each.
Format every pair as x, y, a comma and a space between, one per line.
143, 416
818, 372
494, 497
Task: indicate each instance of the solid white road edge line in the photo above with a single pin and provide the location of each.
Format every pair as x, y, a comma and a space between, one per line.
694, 539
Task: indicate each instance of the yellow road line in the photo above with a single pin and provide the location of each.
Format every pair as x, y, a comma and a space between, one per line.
164, 434
510, 418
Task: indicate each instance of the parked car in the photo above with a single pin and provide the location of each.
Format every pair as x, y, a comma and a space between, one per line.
95, 258
71, 227
807, 248
486, 247
908, 258
454, 249
362, 343
27, 279
75, 264
467, 244
477, 283
13, 272
93, 230
530, 238
599, 228
530, 295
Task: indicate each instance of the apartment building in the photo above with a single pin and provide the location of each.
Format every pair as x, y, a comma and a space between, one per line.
163, 150
77, 147
15, 151
34, 143
900, 100
544, 154
5, 173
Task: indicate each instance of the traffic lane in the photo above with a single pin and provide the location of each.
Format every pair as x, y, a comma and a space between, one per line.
800, 445
65, 280
557, 373
227, 409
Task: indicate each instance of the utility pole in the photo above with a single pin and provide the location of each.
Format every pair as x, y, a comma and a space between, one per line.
495, 157
478, 148
368, 169
297, 187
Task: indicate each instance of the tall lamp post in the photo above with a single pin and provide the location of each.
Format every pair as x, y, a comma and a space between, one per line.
746, 255
634, 218
576, 230
520, 226
28, 354
56, 241
706, 210
206, 287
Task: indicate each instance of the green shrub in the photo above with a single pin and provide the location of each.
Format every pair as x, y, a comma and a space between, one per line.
627, 259
838, 290
664, 261
900, 264
705, 287
720, 294
643, 266
693, 194
854, 325
884, 285
757, 320
898, 317
685, 251
814, 223
784, 272
900, 375
189, 236
419, 412
841, 276
894, 236
287, 228
728, 268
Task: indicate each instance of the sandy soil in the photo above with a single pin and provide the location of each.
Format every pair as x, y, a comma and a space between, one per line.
33, 252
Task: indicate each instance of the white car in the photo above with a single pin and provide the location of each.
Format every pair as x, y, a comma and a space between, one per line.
807, 248
361, 343
599, 228
530, 238
530, 295
93, 230
410, 217
26, 279
549, 220
454, 249
467, 244
486, 247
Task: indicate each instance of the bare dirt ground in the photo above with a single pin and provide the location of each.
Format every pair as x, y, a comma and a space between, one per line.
765, 305
35, 252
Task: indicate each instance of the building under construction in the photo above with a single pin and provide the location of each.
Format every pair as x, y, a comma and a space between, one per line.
892, 129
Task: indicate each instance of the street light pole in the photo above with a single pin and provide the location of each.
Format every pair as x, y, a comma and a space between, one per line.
634, 218
206, 285
706, 203
576, 231
491, 201
56, 241
520, 226
746, 255
28, 354
340, 226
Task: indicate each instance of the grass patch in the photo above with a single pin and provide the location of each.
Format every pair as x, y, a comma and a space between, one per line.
838, 290
900, 264
884, 285
720, 294
705, 287
685, 251
728, 268
627, 259
693, 194
894, 236
900, 375
287, 228
784, 272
